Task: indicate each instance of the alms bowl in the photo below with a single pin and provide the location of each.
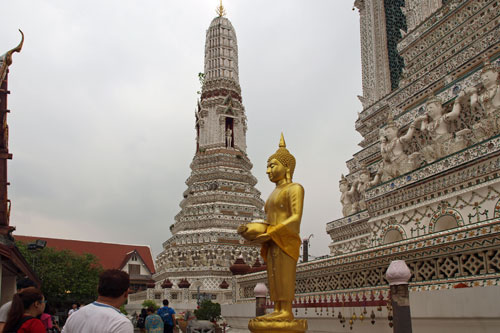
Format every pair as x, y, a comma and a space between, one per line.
253, 229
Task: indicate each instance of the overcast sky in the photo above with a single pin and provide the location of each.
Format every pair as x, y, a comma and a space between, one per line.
102, 105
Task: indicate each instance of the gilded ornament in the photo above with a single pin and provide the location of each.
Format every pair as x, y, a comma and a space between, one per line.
6, 58
221, 11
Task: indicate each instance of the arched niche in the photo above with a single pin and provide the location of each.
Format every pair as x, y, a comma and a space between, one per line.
392, 235
444, 219
445, 222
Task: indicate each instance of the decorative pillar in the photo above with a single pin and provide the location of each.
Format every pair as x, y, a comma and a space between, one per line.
398, 275
260, 292
5, 62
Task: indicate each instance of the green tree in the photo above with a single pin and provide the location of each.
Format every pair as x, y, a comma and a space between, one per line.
208, 311
149, 303
66, 276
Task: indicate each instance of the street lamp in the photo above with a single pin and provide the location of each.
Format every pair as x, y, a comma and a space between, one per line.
39, 244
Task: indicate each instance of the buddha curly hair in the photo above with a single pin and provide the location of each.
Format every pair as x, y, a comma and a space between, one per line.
284, 156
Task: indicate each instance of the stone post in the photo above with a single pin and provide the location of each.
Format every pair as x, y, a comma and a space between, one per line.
305, 250
260, 292
398, 275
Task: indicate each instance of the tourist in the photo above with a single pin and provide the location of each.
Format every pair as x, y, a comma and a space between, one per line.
46, 319
103, 315
141, 320
167, 315
154, 323
26, 306
74, 308
4, 310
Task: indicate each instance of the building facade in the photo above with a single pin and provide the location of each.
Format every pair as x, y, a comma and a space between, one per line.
221, 193
425, 186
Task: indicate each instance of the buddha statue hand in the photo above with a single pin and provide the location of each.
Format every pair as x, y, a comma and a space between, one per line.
242, 229
262, 238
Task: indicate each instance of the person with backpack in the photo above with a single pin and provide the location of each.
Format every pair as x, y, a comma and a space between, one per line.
26, 306
167, 314
4, 310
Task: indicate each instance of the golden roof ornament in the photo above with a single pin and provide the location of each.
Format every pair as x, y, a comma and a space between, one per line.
6, 59
220, 10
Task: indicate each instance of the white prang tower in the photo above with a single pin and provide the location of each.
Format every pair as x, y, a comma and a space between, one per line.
221, 193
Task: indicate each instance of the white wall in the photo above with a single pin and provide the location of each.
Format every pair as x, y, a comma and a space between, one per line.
467, 310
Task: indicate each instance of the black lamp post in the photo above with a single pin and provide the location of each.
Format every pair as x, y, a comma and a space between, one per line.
34, 247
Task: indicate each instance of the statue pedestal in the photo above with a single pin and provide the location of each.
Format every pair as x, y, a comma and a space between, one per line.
277, 326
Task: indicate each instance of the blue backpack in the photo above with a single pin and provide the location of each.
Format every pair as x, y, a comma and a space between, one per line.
166, 315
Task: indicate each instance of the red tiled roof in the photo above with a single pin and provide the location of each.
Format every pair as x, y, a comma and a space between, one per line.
110, 255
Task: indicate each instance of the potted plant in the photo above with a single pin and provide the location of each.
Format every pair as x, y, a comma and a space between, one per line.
208, 310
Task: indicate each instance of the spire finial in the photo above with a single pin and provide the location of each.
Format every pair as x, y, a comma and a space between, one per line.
282, 141
220, 10
6, 59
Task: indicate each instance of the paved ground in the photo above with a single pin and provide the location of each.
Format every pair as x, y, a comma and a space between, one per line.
228, 330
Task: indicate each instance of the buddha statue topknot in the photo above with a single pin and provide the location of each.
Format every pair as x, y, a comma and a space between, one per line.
279, 236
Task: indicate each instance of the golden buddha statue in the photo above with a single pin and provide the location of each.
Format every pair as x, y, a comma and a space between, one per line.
279, 236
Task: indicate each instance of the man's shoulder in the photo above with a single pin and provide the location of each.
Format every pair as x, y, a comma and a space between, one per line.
4, 310
6, 306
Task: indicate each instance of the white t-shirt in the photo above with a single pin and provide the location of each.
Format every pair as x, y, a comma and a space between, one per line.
99, 318
4, 310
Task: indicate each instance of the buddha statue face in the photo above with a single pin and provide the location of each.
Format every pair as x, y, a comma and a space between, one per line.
391, 133
364, 177
489, 78
275, 170
434, 110
343, 186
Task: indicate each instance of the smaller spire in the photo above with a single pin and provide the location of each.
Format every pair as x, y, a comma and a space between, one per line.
220, 10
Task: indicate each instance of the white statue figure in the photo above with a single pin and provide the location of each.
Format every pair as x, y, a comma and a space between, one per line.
229, 137
487, 101
347, 196
363, 184
396, 161
437, 125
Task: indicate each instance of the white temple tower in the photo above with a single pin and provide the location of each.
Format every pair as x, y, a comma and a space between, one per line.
221, 193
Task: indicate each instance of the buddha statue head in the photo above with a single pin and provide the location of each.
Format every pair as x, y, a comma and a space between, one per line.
343, 184
390, 130
489, 74
364, 174
285, 160
434, 107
